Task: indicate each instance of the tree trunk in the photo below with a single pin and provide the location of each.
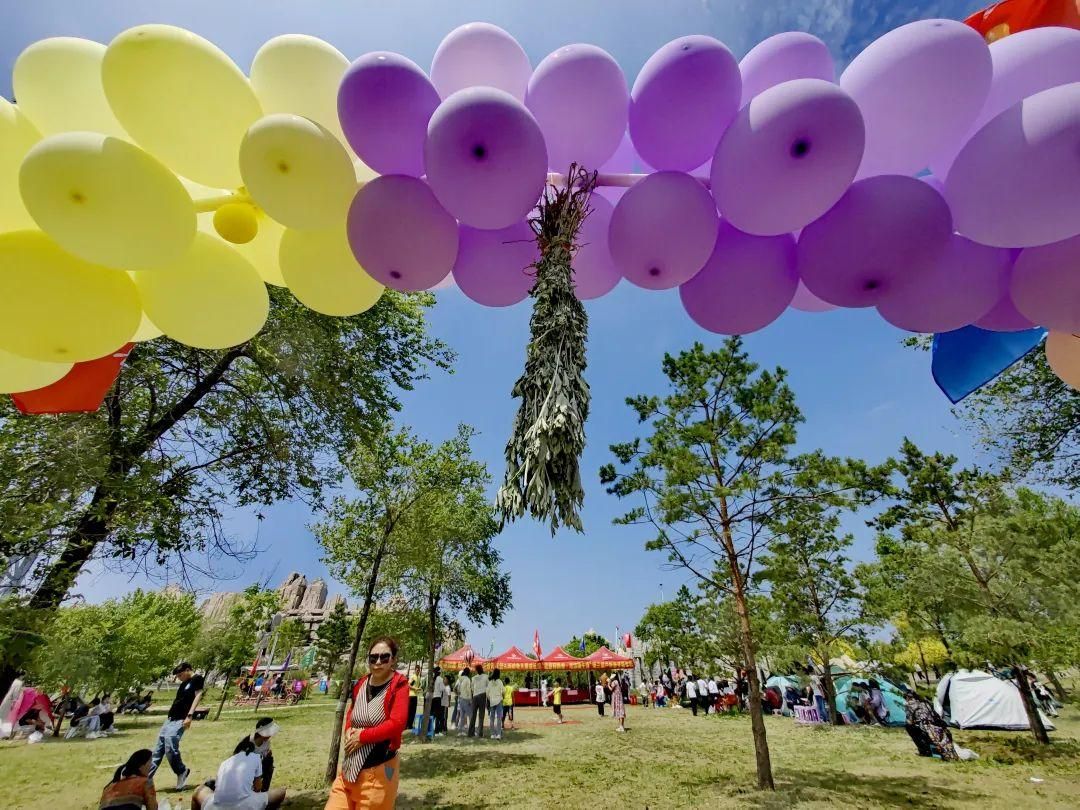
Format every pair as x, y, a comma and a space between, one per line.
429, 690
343, 699
757, 719
224, 694
830, 693
1059, 687
1038, 730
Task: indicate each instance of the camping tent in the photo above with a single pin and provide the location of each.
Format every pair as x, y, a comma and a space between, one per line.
894, 697
605, 659
976, 699
514, 660
782, 682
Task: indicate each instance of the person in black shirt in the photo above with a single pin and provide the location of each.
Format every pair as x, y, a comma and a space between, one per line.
183, 707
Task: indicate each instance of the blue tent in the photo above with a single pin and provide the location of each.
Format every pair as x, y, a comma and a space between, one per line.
782, 682
894, 697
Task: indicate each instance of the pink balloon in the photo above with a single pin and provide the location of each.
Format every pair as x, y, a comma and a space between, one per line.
883, 231
400, 234
479, 54
663, 230
1017, 182
579, 97
806, 301
965, 284
783, 57
384, 104
745, 285
595, 273
683, 99
485, 158
788, 157
919, 87
494, 268
1045, 285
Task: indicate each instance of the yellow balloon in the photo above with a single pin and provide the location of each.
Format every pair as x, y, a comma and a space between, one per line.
57, 308
236, 223
1063, 355
17, 374
181, 98
321, 271
58, 84
262, 251
146, 331
297, 172
107, 201
211, 299
298, 74
17, 136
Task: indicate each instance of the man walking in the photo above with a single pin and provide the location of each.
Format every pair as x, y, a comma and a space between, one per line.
178, 721
479, 701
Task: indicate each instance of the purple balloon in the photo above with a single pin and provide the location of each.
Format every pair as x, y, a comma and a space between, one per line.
806, 301
479, 54
746, 284
579, 97
783, 57
663, 230
595, 273
485, 158
965, 284
919, 87
683, 99
1045, 285
1004, 317
1017, 182
625, 160
400, 234
1024, 63
788, 157
884, 231
494, 268
384, 104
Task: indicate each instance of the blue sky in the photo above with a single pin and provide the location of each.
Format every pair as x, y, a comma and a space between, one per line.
861, 391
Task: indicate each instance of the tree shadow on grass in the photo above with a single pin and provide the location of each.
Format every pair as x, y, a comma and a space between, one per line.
431, 763
842, 788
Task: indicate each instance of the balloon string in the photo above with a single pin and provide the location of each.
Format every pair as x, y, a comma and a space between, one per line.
620, 180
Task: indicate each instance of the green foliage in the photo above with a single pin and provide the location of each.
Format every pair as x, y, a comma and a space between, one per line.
228, 645
333, 637
593, 642
406, 624
292, 636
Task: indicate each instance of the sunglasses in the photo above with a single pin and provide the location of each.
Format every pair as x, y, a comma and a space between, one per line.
379, 658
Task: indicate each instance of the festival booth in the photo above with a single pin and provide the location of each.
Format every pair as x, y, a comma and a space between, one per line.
514, 660
459, 659
605, 660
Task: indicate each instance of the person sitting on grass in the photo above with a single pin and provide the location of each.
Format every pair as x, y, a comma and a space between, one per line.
265, 728
239, 784
556, 700
131, 787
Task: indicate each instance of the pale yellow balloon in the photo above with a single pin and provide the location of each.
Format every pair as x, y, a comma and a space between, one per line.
106, 200
299, 74
211, 299
181, 98
297, 172
363, 172
236, 223
321, 271
1063, 355
18, 374
262, 251
57, 308
17, 136
58, 84
146, 331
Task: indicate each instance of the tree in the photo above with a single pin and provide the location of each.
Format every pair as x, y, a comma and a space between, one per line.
363, 536
185, 433
332, 638
712, 477
292, 635
592, 643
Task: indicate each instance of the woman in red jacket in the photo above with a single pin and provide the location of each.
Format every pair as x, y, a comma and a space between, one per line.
380, 706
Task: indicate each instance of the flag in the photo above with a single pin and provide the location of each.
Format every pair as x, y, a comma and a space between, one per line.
288, 658
581, 646
967, 359
254, 667
536, 644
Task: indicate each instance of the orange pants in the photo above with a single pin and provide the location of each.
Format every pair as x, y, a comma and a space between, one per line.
376, 789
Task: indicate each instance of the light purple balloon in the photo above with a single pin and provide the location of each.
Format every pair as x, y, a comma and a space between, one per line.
494, 268
400, 234
683, 99
1017, 181
919, 87
1004, 317
625, 160
1045, 285
579, 97
783, 57
595, 273
788, 157
479, 54
964, 285
1024, 63
746, 284
806, 301
485, 158
663, 230
884, 231
384, 104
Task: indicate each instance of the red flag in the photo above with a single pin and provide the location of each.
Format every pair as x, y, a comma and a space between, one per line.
254, 667
536, 644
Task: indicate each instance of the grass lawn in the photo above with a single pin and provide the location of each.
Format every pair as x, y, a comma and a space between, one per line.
669, 759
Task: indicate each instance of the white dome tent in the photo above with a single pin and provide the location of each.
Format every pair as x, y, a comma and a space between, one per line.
977, 699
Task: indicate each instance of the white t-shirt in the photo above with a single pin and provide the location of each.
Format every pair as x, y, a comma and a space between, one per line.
702, 687
713, 688
235, 779
599, 693
691, 689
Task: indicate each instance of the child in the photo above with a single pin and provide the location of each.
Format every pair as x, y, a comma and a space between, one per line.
599, 698
556, 700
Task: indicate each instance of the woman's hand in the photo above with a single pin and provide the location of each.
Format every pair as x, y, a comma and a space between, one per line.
352, 740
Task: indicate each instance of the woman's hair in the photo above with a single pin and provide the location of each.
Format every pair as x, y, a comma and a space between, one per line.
131, 767
465, 672
495, 674
388, 641
245, 746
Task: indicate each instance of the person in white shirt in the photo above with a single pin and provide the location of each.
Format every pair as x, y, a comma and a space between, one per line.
238, 785
600, 698
464, 701
479, 702
714, 694
703, 694
495, 707
691, 694
437, 689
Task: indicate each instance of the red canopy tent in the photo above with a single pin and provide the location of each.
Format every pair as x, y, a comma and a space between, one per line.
514, 660
560, 660
606, 659
465, 657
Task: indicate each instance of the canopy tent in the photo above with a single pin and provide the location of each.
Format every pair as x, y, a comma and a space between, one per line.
514, 660
976, 699
893, 695
782, 682
465, 657
560, 660
606, 659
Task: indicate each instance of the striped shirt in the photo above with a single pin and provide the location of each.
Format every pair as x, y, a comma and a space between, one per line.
369, 709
